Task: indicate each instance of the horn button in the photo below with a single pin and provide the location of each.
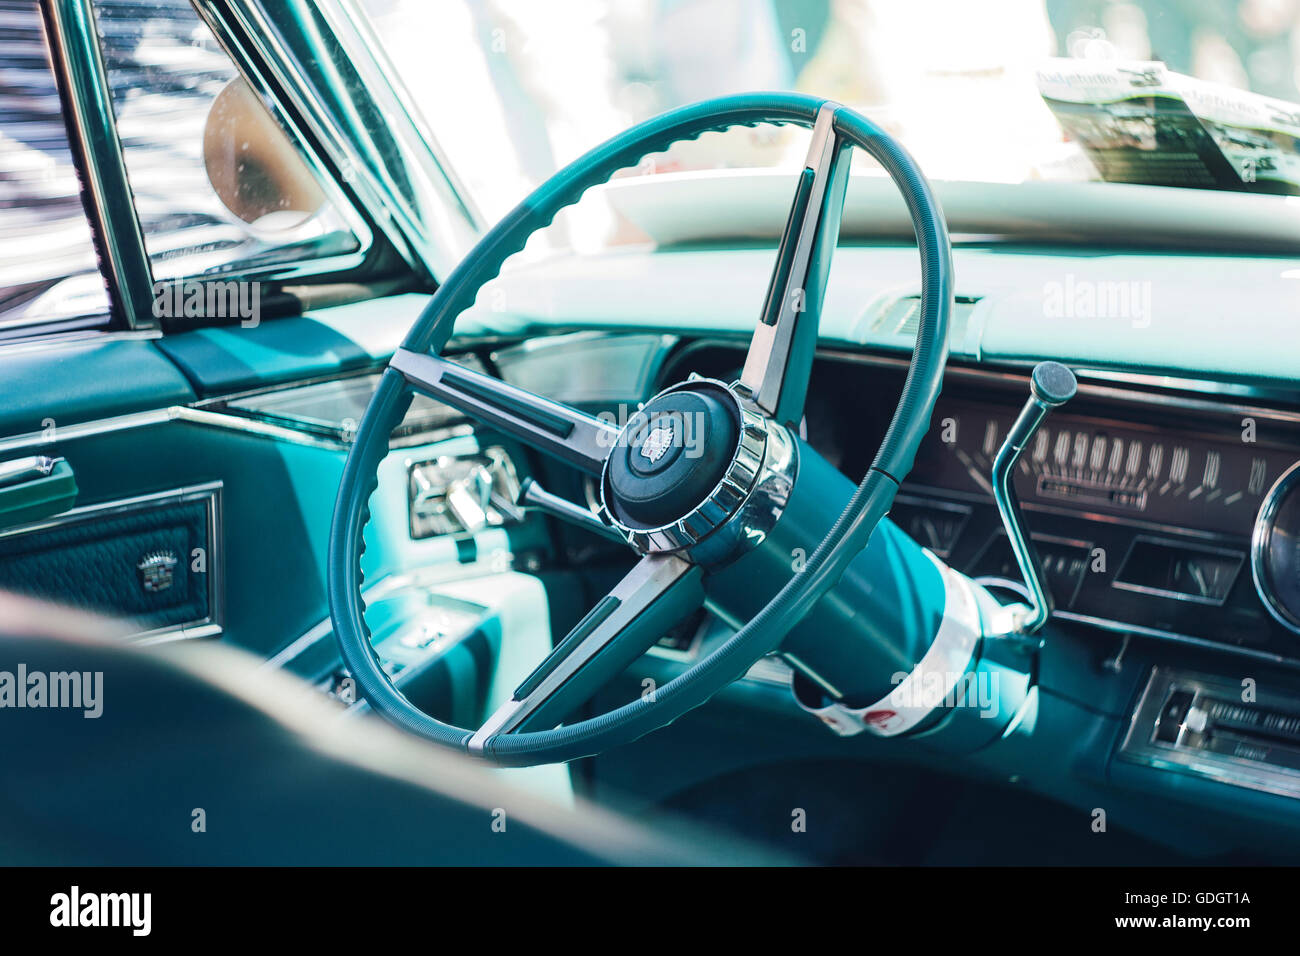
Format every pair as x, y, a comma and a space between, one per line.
671, 456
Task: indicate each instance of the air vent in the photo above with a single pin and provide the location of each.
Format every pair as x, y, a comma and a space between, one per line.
903, 316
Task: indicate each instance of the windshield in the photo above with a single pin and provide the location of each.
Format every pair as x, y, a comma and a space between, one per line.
984, 90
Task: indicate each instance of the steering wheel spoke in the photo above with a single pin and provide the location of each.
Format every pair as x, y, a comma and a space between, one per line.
781, 351
551, 427
660, 591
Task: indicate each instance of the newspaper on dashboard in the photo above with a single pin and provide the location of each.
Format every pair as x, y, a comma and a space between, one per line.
1140, 122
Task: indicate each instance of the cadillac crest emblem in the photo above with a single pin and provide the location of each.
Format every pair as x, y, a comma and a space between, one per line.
658, 441
157, 571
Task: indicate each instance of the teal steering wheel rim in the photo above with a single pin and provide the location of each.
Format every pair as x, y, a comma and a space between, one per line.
763, 633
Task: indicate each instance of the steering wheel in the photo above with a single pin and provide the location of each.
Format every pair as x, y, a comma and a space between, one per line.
688, 515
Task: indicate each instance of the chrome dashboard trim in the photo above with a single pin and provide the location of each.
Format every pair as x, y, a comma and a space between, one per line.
200, 415
1259, 542
1140, 747
1010, 373
1179, 382
1138, 630
251, 426
946, 495
1176, 595
1215, 539
36, 439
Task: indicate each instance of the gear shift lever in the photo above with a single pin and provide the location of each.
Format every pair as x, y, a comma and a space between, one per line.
1051, 385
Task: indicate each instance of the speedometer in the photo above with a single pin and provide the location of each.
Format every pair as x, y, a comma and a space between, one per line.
1275, 549
1209, 481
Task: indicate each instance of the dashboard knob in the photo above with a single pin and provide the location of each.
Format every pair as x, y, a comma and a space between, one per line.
1052, 383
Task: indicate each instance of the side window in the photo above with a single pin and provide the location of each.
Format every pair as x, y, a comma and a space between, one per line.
48, 271
219, 187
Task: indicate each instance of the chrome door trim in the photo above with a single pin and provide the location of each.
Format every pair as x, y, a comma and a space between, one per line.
212, 419
157, 416
163, 416
103, 426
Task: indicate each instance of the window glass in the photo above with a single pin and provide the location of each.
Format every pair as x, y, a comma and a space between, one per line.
970, 87
48, 271
218, 186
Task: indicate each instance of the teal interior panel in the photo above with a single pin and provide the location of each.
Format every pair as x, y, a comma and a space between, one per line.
222, 359
52, 385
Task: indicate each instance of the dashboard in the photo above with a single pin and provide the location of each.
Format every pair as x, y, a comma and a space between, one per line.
1153, 511
1166, 514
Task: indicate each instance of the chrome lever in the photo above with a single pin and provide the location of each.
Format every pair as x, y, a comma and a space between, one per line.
26, 469
534, 497
1050, 386
469, 497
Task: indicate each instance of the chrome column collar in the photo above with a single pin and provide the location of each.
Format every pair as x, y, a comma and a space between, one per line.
944, 678
742, 507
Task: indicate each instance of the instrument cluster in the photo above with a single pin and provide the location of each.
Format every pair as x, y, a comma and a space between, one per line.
1187, 525
1153, 512
1086, 465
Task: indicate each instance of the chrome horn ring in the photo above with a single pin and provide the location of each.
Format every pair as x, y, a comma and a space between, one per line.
743, 505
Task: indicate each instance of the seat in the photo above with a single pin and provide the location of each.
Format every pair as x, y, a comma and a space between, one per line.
271, 767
